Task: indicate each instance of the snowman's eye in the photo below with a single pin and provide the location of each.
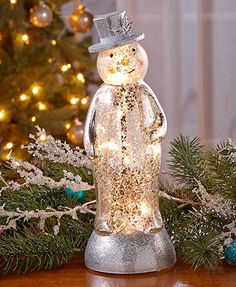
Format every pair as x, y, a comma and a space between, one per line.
111, 55
133, 49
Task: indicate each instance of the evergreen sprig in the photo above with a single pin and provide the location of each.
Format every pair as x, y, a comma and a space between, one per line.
29, 249
223, 170
186, 160
202, 251
27, 253
195, 227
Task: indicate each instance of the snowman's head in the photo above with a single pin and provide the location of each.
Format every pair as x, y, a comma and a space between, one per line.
123, 65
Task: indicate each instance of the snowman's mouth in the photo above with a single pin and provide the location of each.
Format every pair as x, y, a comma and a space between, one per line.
130, 71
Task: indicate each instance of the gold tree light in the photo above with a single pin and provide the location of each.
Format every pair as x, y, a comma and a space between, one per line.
124, 129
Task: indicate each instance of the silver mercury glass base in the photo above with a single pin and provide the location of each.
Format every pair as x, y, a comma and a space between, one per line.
130, 253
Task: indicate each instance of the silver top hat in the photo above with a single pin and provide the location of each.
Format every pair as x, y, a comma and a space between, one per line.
114, 30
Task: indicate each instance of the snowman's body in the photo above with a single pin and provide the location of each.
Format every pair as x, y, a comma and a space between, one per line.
123, 132
124, 128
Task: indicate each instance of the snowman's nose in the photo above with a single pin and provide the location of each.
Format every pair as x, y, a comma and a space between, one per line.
124, 62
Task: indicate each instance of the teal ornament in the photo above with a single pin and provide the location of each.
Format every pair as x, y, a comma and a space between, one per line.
81, 194
230, 253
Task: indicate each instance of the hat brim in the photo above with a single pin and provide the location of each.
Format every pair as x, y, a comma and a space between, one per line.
130, 38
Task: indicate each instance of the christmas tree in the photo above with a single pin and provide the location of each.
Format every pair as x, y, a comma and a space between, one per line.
45, 72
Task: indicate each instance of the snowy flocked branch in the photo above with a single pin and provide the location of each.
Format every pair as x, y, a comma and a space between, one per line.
14, 216
228, 231
230, 149
214, 202
33, 175
223, 207
56, 150
53, 150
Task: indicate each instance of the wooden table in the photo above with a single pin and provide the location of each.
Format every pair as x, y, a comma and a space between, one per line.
74, 274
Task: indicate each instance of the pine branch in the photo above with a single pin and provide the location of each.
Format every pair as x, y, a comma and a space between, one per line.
223, 170
27, 253
78, 231
32, 251
188, 164
32, 198
186, 160
202, 251
185, 196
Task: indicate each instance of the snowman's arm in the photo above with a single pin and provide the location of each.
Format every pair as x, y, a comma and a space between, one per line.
89, 127
158, 128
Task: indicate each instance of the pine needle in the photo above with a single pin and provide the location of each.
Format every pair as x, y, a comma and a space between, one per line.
202, 251
27, 253
186, 161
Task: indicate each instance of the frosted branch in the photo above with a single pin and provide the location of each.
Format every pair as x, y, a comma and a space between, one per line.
32, 175
56, 150
226, 235
3, 180
14, 216
180, 200
230, 148
215, 202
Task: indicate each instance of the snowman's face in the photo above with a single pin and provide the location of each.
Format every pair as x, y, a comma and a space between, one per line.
122, 65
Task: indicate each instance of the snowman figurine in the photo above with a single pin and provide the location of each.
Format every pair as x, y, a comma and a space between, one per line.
123, 132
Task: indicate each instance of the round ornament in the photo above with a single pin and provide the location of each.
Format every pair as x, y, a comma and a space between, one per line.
230, 253
81, 20
80, 195
41, 15
76, 133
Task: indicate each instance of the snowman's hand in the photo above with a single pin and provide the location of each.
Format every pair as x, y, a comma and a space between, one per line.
89, 132
155, 125
156, 130
154, 116
88, 137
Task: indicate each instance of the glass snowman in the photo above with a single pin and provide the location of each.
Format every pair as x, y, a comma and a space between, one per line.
123, 132
124, 129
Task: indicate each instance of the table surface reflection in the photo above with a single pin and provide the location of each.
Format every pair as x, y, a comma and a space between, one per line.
74, 274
